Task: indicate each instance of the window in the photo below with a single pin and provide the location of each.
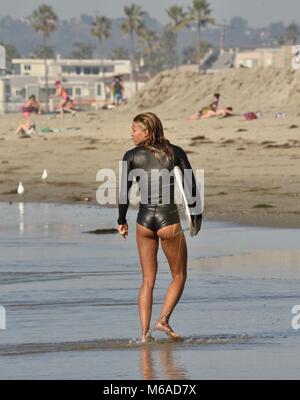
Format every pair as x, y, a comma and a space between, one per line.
27, 67
17, 69
95, 70
32, 90
109, 68
87, 71
99, 90
77, 92
66, 69
91, 70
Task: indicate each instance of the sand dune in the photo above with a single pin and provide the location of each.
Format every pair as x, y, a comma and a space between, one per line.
267, 89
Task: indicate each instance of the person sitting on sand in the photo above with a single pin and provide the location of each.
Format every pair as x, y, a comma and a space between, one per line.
215, 104
28, 127
66, 104
208, 111
32, 105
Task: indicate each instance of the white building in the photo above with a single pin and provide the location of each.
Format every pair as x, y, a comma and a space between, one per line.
68, 67
4, 93
265, 57
87, 81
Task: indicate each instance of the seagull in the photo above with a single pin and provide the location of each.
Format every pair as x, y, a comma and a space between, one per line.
45, 175
21, 189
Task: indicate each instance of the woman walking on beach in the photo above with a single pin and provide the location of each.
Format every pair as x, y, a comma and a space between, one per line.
157, 220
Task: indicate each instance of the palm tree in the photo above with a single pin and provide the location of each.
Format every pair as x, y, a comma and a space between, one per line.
132, 26
102, 31
43, 21
292, 34
179, 21
151, 42
119, 53
200, 13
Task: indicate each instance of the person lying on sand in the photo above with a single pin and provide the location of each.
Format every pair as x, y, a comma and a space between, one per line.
209, 111
222, 112
28, 128
225, 112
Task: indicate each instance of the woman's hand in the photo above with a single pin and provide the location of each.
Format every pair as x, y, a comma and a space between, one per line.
123, 230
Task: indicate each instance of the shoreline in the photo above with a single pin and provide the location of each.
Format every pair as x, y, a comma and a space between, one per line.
263, 221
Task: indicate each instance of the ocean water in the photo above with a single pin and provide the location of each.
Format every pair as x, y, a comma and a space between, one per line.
71, 300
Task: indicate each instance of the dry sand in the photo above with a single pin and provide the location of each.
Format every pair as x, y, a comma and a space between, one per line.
252, 172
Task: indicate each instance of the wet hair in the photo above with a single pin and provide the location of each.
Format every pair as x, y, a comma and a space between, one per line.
156, 141
32, 97
230, 108
217, 95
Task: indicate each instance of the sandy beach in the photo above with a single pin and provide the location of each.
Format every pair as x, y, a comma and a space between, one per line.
251, 167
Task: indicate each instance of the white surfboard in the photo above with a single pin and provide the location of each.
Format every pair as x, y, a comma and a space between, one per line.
194, 222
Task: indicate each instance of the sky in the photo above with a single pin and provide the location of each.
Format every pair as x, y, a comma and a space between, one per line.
259, 13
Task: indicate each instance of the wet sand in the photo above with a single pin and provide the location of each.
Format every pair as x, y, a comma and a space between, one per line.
71, 300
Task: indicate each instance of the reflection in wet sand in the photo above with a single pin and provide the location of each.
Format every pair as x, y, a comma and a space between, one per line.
167, 362
265, 264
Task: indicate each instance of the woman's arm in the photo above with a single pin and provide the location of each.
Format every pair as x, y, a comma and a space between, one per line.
126, 184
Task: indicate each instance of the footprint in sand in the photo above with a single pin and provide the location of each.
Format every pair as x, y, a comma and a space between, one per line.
229, 141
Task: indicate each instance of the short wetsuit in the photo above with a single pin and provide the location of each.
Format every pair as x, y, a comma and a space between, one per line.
154, 211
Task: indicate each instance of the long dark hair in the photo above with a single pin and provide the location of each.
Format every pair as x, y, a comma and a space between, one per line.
156, 141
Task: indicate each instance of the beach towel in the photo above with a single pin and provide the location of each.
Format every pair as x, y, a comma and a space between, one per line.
249, 116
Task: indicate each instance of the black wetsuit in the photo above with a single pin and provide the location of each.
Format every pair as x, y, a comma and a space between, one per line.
156, 211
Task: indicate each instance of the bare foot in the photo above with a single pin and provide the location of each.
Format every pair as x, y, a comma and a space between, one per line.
147, 338
165, 327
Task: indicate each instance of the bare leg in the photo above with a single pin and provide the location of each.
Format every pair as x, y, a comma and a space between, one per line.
21, 129
148, 243
69, 108
208, 114
175, 249
61, 107
194, 117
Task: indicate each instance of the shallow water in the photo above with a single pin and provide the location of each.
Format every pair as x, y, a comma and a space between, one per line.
71, 300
